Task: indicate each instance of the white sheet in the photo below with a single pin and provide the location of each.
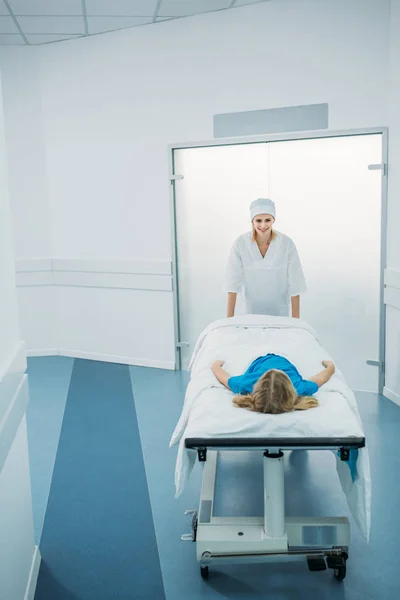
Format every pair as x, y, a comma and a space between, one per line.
208, 411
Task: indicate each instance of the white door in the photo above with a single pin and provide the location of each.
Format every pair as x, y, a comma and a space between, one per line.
327, 200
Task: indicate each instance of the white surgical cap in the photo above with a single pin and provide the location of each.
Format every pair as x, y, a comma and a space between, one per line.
262, 206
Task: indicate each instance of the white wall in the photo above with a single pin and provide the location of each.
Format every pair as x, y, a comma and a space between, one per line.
392, 291
19, 560
25, 138
108, 108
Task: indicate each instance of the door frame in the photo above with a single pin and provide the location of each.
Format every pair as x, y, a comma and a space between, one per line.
285, 137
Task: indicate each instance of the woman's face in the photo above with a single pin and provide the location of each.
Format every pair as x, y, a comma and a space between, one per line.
263, 224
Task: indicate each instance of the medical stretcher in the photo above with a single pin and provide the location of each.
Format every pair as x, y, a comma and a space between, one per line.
209, 423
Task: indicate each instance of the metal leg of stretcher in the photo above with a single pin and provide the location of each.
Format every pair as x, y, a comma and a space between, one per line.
272, 537
274, 495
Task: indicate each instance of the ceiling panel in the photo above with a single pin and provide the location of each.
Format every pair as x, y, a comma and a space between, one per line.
184, 8
46, 7
7, 25
243, 2
46, 38
52, 25
3, 8
43, 21
137, 8
9, 40
103, 24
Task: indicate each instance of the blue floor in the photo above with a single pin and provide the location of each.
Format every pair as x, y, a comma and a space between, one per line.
113, 526
98, 537
49, 379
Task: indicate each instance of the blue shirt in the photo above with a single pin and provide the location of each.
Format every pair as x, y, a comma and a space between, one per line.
243, 384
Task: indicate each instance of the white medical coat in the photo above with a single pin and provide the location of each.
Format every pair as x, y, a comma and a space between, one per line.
268, 283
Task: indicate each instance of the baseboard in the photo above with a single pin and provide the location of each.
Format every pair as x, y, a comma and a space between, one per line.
42, 352
124, 360
365, 392
391, 395
33, 575
113, 358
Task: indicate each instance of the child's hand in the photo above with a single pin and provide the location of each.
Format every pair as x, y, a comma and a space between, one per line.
328, 364
217, 363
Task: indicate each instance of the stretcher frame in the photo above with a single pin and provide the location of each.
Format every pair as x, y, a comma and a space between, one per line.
322, 541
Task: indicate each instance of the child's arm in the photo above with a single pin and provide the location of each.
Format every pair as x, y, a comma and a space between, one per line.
219, 372
325, 375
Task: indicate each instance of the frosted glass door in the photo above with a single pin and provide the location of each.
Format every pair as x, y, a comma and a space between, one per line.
212, 209
329, 202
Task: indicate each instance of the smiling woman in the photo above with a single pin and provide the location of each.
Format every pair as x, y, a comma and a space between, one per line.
264, 265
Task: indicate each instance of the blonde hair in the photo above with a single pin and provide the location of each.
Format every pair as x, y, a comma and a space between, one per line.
274, 393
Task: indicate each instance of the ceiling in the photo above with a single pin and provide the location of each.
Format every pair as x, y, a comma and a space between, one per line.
32, 22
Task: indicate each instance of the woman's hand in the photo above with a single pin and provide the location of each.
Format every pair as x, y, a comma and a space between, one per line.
217, 363
328, 364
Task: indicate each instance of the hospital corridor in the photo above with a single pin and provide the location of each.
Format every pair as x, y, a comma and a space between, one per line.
199, 299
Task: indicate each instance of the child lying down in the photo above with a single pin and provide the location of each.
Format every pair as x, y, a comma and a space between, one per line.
272, 384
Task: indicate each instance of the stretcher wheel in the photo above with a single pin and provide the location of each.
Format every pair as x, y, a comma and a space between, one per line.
340, 573
204, 572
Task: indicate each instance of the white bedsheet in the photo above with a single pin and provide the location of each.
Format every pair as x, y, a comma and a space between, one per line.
208, 411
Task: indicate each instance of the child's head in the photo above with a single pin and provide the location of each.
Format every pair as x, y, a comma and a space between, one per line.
274, 393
